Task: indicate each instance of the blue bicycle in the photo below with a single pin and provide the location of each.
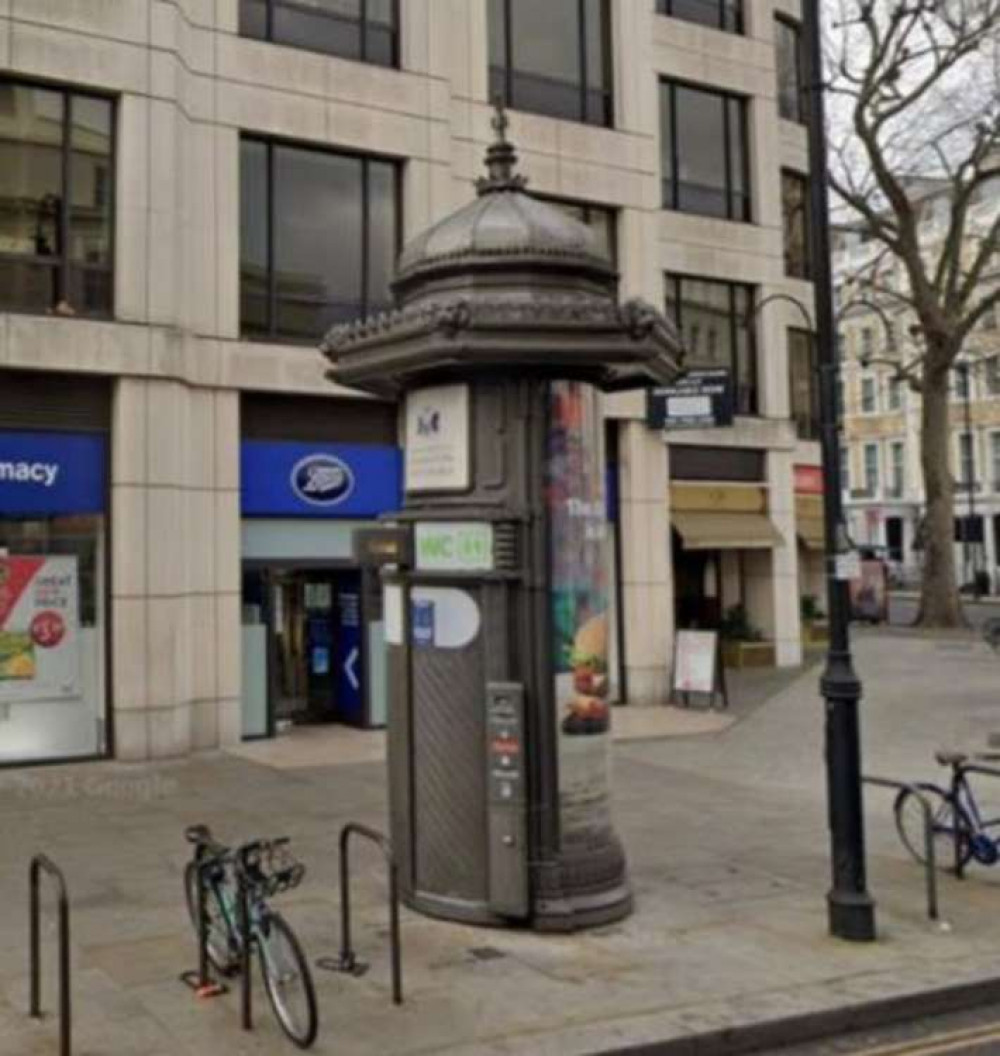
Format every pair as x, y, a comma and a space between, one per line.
961, 832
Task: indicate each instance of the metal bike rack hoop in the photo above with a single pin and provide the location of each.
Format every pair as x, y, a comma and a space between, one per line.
39, 864
347, 961
930, 865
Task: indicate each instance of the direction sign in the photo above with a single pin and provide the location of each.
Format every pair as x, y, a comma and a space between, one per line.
701, 399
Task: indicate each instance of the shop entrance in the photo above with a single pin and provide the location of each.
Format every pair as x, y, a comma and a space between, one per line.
304, 651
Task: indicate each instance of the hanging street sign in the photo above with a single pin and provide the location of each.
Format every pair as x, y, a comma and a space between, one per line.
701, 399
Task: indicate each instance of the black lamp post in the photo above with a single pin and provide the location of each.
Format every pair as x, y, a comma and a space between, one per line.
851, 909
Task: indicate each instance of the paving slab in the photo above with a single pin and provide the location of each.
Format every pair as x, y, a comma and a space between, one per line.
728, 848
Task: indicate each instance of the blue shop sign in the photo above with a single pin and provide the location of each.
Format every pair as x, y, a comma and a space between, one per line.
291, 479
52, 473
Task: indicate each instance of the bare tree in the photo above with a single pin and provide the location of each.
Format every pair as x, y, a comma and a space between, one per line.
915, 104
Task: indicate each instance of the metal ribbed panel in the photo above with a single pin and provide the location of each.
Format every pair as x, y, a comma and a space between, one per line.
448, 768
506, 546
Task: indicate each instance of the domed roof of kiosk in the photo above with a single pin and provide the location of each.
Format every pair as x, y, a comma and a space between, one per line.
504, 226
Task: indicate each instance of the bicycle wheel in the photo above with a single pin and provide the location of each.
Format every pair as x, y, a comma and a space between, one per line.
287, 980
910, 825
222, 951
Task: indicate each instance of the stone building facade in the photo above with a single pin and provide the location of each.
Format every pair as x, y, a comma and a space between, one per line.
191, 190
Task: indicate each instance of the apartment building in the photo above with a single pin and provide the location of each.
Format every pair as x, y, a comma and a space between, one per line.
883, 482
193, 191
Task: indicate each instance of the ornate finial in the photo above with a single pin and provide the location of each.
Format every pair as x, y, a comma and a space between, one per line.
501, 158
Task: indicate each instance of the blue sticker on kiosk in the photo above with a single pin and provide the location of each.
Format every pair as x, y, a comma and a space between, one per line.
422, 621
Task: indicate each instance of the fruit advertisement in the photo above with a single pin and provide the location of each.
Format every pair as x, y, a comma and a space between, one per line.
579, 591
39, 627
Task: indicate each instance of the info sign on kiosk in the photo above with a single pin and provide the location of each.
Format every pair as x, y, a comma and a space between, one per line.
698, 668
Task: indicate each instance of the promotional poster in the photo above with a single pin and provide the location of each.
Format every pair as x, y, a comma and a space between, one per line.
39, 629
579, 590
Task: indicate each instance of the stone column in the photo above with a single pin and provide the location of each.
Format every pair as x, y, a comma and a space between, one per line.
787, 628
175, 568
647, 579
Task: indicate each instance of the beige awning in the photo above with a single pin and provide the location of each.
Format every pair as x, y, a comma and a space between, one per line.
809, 521
726, 531
811, 533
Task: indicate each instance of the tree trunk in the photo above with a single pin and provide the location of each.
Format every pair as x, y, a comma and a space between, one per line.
940, 604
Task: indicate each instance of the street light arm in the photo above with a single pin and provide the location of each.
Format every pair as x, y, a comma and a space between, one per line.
754, 310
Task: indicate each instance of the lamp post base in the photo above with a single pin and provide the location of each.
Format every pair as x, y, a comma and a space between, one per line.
851, 915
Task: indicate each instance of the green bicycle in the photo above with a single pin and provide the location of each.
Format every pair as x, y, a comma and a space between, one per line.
262, 868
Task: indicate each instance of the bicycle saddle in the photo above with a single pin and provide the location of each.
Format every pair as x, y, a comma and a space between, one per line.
198, 834
950, 758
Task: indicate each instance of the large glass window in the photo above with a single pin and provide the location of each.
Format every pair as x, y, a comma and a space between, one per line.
319, 233
871, 469
897, 467
795, 220
703, 152
600, 219
552, 58
718, 14
803, 391
713, 318
966, 461
56, 200
791, 81
366, 30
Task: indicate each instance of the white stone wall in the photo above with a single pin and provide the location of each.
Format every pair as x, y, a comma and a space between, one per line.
187, 86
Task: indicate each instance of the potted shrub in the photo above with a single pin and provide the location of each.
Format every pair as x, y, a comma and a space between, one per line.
742, 644
815, 629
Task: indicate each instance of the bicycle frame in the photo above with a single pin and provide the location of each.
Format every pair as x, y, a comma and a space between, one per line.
961, 790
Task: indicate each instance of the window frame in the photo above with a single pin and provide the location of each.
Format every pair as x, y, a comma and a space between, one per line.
806, 272
612, 211
742, 105
362, 21
801, 116
273, 335
871, 479
806, 427
868, 380
994, 453
732, 286
965, 443
897, 481
665, 8
62, 265
508, 70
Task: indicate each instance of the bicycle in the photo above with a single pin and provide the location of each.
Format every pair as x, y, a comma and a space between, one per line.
263, 869
957, 819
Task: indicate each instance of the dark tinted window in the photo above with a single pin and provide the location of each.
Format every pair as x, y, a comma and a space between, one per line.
56, 200
366, 30
703, 148
600, 219
319, 235
716, 331
552, 58
719, 14
802, 388
795, 224
791, 85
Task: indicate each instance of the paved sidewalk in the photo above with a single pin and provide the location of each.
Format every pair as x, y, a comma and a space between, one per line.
727, 841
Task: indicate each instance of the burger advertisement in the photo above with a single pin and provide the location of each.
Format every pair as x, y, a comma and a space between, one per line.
579, 563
